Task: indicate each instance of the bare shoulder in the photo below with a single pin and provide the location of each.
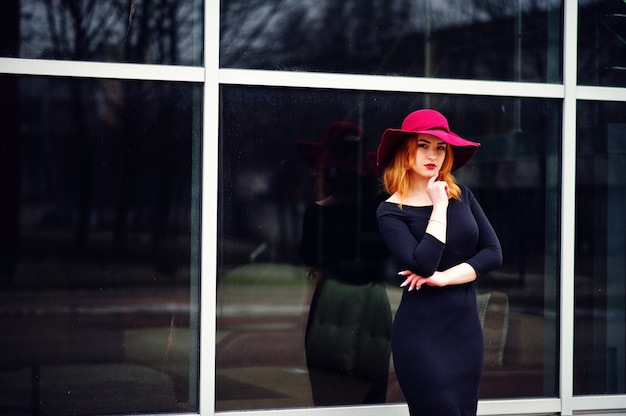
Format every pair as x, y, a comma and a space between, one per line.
394, 198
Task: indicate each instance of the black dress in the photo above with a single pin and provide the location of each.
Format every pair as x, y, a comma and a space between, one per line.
437, 340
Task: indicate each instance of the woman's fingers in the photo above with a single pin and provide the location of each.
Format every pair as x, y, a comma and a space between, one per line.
411, 281
407, 282
415, 282
436, 189
433, 178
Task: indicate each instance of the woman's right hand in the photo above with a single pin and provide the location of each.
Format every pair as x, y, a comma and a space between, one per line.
437, 191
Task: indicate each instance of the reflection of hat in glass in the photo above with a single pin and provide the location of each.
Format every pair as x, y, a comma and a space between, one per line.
342, 147
427, 122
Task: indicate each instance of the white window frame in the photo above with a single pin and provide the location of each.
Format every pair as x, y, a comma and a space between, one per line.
212, 77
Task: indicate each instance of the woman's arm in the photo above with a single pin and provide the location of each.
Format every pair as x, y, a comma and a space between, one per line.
488, 257
489, 252
422, 256
457, 275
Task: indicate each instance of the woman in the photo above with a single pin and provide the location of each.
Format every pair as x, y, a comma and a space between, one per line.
439, 235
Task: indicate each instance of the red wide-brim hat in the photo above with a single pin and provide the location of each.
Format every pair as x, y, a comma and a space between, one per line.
342, 147
427, 122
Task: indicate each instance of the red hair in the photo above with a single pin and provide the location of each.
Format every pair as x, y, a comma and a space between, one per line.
397, 180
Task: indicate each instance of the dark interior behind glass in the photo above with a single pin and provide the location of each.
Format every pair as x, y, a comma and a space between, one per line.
600, 289
99, 261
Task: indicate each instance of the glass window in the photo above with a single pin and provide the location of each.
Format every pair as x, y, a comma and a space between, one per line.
602, 43
99, 246
600, 285
510, 41
268, 353
164, 32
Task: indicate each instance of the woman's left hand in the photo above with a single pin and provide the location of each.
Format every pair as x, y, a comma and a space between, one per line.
414, 281
457, 275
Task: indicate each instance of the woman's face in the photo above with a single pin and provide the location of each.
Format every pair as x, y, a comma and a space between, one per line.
431, 152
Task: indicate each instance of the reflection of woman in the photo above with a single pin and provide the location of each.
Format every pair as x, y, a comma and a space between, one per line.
349, 327
438, 233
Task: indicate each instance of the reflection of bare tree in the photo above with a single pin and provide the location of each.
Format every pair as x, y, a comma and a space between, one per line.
71, 26
127, 31
397, 36
105, 28
155, 24
81, 29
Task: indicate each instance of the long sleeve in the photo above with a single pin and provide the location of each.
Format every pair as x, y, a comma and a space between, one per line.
470, 237
489, 253
403, 233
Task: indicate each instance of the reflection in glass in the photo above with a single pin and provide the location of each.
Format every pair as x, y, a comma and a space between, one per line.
264, 295
163, 32
602, 43
98, 266
510, 41
348, 332
600, 291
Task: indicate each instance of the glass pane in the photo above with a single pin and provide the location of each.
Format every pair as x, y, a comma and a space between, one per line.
99, 258
602, 43
600, 325
510, 41
269, 354
163, 32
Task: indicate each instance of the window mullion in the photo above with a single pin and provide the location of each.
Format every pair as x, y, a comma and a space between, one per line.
568, 203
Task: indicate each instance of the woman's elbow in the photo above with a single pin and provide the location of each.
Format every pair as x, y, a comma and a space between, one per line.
495, 259
491, 259
498, 256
